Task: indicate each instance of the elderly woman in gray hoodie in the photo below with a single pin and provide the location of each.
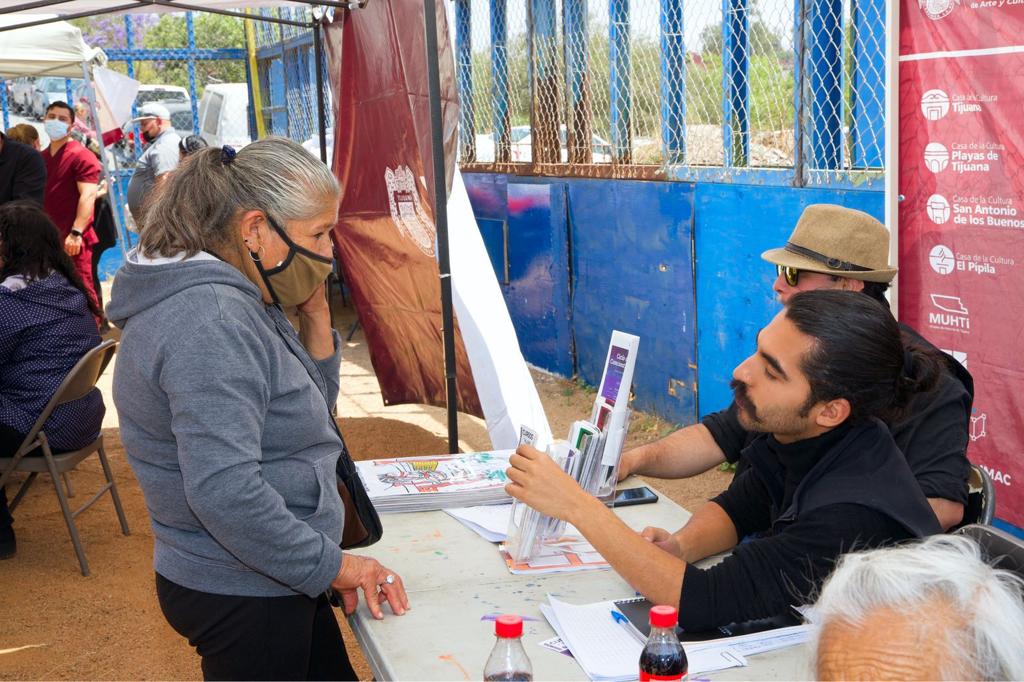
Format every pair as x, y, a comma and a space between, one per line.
225, 418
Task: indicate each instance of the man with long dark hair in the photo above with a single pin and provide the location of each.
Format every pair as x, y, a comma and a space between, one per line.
46, 325
833, 247
825, 475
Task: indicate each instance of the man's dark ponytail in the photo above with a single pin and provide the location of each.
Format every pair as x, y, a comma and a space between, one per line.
922, 369
860, 354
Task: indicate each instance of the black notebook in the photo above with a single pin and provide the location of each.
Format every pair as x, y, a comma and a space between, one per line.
638, 610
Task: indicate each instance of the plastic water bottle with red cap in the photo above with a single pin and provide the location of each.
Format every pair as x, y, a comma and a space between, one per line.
663, 657
508, 659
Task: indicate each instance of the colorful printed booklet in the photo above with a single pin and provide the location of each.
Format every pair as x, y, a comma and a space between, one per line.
410, 484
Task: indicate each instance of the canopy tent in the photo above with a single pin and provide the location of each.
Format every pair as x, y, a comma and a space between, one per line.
53, 49
73, 9
27, 12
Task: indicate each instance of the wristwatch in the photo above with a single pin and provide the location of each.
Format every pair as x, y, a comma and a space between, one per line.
77, 233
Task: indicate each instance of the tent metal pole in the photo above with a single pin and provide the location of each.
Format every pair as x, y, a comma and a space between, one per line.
318, 54
441, 220
171, 4
69, 17
174, 4
38, 4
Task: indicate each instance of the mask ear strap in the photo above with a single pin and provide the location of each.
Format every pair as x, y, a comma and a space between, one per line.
263, 275
292, 245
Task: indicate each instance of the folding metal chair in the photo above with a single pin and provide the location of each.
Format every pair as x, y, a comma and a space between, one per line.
981, 500
999, 547
79, 382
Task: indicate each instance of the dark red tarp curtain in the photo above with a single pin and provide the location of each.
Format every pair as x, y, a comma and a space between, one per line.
385, 234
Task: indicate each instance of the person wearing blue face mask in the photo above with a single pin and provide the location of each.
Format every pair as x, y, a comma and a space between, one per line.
225, 413
72, 177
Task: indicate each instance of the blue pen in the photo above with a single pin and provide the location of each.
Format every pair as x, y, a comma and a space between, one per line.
623, 621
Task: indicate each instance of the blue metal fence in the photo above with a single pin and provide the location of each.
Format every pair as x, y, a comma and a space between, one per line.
689, 91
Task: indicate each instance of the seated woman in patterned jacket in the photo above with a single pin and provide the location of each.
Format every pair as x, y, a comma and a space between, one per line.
47, 323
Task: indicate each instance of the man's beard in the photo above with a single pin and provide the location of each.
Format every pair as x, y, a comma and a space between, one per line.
773, 419
747, 411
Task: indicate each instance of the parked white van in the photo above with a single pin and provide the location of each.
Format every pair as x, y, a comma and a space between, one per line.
224, 114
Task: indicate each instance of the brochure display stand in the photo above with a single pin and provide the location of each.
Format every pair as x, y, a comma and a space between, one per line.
591, 454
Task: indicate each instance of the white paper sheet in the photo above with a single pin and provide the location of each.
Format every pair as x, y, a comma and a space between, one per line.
608, 651
490, 523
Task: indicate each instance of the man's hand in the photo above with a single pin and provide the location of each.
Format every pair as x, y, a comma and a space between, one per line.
662, 539
540, 483
378, 584
73, 245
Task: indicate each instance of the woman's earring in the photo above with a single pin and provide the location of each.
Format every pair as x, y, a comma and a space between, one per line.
258, 255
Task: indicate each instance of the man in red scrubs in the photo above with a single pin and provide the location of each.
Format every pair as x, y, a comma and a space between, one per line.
72, 174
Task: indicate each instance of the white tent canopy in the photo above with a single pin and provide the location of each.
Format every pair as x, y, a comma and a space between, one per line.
55, 49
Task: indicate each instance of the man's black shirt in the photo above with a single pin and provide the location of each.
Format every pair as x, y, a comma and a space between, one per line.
809, 502
932, 434
22, 172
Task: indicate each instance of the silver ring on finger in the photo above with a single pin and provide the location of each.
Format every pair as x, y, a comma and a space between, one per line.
390, 579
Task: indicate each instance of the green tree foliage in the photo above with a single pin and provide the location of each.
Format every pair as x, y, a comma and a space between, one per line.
169, 31
770, 74
763, 40
212, 31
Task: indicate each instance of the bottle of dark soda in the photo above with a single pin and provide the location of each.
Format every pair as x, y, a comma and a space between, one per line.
508, 659
663, 657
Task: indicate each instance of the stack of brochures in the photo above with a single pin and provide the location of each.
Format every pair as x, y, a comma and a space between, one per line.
411, 484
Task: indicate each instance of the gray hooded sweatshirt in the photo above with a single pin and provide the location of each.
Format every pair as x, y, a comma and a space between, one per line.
225, 420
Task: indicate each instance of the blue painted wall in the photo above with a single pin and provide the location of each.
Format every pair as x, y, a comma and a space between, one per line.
538, 290
633, 271
734, 224
624, 262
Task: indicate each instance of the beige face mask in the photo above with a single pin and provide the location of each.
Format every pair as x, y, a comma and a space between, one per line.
295, 279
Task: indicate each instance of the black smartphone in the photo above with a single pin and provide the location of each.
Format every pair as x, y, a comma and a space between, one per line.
629, 496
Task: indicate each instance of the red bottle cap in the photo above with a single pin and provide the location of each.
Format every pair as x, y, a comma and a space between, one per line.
508, 626
664, 616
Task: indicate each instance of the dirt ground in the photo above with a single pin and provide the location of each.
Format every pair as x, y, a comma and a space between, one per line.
56, 624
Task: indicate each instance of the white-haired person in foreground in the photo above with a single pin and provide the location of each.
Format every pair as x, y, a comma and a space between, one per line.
932, 610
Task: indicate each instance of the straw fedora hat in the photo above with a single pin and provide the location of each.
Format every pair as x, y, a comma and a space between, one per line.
837, 241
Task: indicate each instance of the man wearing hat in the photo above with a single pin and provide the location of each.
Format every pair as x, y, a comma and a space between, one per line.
159, 159
833, 247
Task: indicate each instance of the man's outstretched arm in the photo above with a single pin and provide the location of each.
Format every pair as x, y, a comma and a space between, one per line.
690, 451
654, 573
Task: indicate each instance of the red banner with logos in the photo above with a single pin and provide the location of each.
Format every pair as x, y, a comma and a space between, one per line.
385, 234
961, 218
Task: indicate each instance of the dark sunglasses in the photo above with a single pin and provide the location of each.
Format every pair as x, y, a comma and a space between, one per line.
791, 274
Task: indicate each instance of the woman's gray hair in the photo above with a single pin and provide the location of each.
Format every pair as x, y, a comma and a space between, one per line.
196, 207
943, 571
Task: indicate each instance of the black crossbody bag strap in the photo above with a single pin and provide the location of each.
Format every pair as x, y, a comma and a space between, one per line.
362, 523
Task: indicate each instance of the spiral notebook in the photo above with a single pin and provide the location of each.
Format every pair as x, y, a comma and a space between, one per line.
638, 610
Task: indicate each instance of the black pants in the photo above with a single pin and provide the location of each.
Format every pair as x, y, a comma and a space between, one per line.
10, 441
97, 252
257, 638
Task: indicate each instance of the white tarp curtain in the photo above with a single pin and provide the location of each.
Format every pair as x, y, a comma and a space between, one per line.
115, 94
503, 381
55, 49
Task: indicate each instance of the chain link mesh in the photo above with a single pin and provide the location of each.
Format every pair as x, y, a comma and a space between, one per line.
613, 87
287, 77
